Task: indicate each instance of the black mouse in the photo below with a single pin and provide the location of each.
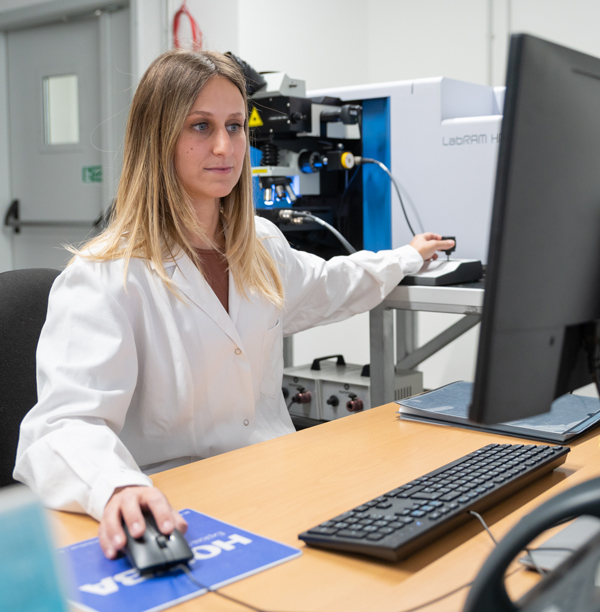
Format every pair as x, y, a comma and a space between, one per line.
155, 551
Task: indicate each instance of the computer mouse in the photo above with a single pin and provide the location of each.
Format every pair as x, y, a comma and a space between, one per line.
155, 551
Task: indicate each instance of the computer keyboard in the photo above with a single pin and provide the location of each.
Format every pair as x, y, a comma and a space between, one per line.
396, 524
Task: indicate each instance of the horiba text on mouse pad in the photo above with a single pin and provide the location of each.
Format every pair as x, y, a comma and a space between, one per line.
223, 553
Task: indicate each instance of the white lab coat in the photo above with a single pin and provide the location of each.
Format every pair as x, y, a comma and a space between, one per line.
134, 376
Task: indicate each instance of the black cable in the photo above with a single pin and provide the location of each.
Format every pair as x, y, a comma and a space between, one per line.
449, 593
415, 608
480, 519
367, 160
192, 579
538, 569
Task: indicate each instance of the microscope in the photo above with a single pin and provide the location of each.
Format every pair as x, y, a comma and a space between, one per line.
304, 153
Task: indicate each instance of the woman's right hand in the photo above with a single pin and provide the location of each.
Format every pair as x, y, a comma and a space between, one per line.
428, 243
128, 504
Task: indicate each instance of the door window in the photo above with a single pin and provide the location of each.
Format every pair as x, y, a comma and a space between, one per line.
61, 109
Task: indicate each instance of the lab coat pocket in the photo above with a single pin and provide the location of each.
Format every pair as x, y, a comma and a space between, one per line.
272, 361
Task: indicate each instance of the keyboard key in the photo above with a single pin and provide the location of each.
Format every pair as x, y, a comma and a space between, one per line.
410, 492
417, 513
433, 495
394, 492
396, 525
375, 536
450, 496
351, 533
386, 530
323, 530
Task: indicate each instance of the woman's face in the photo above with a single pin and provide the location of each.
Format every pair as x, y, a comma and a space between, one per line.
211, 148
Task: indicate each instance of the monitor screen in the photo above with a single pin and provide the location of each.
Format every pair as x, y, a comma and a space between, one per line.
542, 295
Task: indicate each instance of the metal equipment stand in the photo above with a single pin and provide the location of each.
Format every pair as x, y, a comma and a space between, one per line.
405, 301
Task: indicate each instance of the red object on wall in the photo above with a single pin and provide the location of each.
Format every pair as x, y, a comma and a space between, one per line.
196, 31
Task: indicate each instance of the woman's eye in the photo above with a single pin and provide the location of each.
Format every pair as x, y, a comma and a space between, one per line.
200, 127
235, 127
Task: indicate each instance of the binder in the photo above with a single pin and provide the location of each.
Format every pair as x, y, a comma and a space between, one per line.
570, 415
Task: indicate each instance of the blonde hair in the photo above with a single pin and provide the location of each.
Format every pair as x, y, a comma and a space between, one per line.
152, 214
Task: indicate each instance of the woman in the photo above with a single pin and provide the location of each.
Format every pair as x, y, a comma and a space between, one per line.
163, 340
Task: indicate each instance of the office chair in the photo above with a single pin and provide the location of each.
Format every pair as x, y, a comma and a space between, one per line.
23, 307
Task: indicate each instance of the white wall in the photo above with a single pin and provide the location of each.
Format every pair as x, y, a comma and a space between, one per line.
347, 42
413, 39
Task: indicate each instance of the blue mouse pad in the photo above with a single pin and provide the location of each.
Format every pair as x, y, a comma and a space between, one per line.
223, 554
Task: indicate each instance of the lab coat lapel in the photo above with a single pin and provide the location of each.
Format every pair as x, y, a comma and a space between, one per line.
234, 301
190, 282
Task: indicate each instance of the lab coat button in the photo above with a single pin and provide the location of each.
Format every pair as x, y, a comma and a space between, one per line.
238, 351
246, 422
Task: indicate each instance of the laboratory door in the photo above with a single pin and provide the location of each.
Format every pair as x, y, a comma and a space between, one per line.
56, 148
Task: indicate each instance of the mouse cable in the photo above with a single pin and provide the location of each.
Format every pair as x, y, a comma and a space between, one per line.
367, 160
192, 579
415, 608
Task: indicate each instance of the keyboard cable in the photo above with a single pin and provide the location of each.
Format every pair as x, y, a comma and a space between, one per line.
468, 584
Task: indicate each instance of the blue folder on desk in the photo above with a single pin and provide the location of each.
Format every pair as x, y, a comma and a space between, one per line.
570, 415
223, 554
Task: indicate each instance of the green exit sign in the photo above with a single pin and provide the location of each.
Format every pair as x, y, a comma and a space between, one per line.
91, 174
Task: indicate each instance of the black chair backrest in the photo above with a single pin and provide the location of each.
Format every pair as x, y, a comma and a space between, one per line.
23, 307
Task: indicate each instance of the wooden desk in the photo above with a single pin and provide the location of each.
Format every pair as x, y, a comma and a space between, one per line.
283, 487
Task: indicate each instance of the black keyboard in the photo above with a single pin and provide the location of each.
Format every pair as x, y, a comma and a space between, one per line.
396, 524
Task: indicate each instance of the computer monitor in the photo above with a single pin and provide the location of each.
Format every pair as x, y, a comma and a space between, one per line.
542, 292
